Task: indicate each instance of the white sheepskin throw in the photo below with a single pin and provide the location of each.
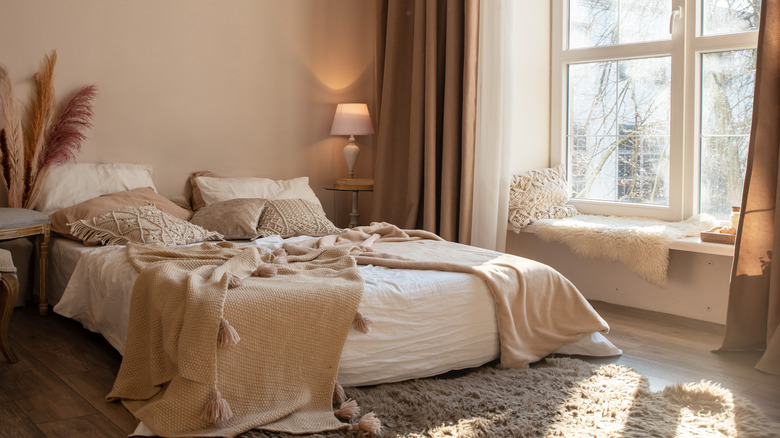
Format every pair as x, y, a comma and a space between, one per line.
640, 243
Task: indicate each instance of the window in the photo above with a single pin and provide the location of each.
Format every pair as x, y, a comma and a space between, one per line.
652, 103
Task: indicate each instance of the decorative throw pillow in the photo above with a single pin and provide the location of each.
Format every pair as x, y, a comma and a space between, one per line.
539, 194
71, 183
146, 225
215, 189
234, 219
112, 201
294, 217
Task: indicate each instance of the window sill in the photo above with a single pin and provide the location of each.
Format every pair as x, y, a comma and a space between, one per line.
690, 244
694, 244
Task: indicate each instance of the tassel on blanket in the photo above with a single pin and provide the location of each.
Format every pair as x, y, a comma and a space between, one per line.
279, 260
227, 334
265, 270
217, 409
234, 281
368, 426
339, 396
361, 322
348, 411
279, 256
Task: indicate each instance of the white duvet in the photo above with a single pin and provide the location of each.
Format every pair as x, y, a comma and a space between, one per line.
424, 322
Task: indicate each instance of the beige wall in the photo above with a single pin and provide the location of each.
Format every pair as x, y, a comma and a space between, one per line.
239, 87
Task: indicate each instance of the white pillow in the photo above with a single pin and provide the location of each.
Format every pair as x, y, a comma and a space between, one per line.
72, 183
216, 190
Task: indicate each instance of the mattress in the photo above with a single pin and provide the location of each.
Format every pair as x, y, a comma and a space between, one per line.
424, 322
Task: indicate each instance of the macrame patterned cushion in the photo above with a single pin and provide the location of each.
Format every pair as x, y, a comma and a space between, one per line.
294, 217
539, 194
145, 225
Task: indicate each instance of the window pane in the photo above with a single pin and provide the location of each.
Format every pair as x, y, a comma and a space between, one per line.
727, 85
618, 145
729, 16
594, 23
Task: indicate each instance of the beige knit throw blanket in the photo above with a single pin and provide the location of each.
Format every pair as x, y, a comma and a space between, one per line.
537, 308
281, 373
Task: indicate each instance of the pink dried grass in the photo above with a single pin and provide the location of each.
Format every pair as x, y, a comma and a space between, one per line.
66, 135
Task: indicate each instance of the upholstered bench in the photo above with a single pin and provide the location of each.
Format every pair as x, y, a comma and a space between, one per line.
9, 287
22, 222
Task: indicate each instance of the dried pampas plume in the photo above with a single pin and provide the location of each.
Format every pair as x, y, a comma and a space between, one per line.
13, 152
64, 137
40, 115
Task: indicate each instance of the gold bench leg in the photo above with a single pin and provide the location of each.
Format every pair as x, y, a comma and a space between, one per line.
9, 289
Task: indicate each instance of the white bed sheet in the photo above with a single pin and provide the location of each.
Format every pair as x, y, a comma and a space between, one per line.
424, 322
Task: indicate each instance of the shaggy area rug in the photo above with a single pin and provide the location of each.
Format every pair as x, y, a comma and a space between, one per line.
641, 244
564, 397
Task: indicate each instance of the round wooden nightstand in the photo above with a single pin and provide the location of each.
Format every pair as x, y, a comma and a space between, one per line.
355, 186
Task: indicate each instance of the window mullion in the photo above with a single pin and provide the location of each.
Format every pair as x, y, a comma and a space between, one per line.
608, 53
558, 103
690, 123
745, 40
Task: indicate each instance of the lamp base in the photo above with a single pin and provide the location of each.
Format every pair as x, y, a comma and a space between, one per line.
351, 152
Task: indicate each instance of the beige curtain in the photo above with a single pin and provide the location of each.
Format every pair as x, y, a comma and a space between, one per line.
426, 98
753, 320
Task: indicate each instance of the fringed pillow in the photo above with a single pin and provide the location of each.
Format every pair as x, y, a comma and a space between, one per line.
294, 217
539, 194
145, 225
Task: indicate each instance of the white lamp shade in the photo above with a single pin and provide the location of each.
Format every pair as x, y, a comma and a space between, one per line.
352, 119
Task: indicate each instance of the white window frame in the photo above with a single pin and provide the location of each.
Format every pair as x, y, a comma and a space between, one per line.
685, 47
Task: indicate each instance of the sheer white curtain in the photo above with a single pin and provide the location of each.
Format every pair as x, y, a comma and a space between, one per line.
495, 94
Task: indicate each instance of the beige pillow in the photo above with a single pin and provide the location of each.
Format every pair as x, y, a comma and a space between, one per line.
294, 217
234, 219
112, 201
147, 225
539, 194
217, 189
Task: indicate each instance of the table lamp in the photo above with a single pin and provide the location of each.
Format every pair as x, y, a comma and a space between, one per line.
351, 119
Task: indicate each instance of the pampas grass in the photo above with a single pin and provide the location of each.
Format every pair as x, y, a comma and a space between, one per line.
28, 152
64, 137
13, 155
40, 115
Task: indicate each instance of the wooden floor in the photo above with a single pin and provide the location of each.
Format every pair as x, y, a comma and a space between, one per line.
57, 388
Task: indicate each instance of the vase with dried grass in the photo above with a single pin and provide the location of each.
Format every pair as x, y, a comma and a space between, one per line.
49, 137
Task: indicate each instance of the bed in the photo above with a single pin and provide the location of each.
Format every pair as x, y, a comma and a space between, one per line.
403, 304
423, 322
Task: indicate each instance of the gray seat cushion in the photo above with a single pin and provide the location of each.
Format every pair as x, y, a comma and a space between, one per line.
21, 217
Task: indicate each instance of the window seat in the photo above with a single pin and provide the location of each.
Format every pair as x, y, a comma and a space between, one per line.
694, 244
642, 244
691, 244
